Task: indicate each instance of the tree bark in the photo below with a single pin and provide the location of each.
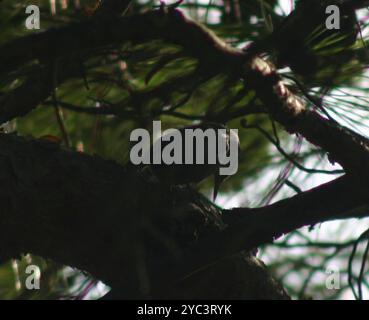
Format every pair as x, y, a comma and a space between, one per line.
137, 236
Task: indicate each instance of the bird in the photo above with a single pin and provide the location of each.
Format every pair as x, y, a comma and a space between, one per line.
186, 174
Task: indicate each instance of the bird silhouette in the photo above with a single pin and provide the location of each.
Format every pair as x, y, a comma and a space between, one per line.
184, 173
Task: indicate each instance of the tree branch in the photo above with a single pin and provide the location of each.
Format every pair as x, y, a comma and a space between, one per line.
119, 226
76, 41
249, 228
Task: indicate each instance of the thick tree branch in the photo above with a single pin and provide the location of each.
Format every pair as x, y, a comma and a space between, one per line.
95, 214
343, 145
122, 229
170, 25
249, 228
76, 41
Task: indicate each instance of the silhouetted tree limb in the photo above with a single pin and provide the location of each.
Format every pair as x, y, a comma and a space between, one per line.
79, 40
88, 207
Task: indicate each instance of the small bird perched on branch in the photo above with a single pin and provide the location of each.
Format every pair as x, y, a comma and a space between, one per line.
213, 156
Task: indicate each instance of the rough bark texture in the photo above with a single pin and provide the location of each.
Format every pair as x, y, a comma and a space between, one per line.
151, 238
100, 217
